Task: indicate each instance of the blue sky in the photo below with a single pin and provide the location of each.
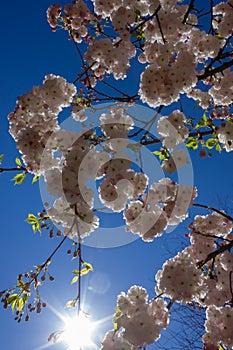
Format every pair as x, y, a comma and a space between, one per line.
29, 51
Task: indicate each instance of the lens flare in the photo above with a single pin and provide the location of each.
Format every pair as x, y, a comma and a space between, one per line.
78, 332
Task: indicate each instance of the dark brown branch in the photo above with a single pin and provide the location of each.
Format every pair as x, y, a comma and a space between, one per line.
211, 17
231, 289
211, 236
213, 255
81, 57
148, 123
192, 134
211, 72
160, 28
114, 88
80, 261
213, 209
49, 259
2, 170
220, 54
226, 54
146, 20
190, 8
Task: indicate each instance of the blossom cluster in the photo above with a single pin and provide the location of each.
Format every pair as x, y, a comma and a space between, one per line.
139, 322
173, 130
225, 135
105, 56
191, 277
35, 119
175, 58
184, 279
166, 203
75, 19
174, 48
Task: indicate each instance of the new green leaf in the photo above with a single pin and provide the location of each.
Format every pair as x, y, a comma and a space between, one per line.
20, 304
210, 143
192, 143
74, 279
88, 266
18, 162
35, 179
71, 303
19, 178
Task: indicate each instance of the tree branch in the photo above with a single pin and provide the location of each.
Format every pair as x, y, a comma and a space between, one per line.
190, 8
146, 20
213, 255
213, 209
2, 170
209, 72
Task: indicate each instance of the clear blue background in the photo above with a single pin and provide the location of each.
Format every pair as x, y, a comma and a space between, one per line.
29, 51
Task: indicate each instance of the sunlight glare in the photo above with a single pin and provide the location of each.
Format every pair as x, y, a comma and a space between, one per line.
78, 331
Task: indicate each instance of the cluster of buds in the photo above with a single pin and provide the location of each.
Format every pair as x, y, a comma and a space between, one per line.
17, 297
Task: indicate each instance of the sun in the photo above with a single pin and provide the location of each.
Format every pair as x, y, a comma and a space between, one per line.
77, 332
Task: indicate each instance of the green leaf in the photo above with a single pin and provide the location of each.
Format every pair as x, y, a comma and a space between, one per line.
210, 143
74, 279
31, 219
20, 304
220, 37
34, 221
218, 148
161, 155
11, 298
88, 266
19, 178
203, 122
13, 304
1, 158
71, 303
192, 143
25, 298
36, 227
35, 179
85, 271
18, 161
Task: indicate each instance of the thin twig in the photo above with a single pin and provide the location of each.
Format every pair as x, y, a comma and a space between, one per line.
211, 17
114, 88
211, 236
190, 8
231, 289
2, 170
213, 209
213, 255
148, 123
145, 20
160, 28
79, 260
